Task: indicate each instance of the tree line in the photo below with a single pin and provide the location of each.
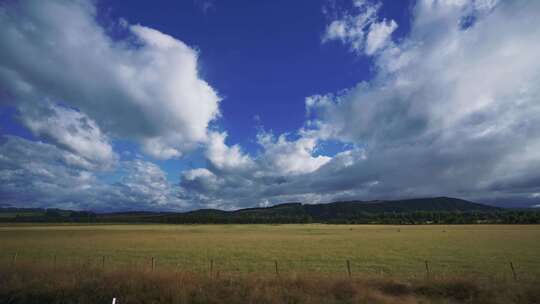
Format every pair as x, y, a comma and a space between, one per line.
499, 216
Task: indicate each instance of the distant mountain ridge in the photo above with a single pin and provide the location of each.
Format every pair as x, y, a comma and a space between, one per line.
447, 204
405, 211
348, 209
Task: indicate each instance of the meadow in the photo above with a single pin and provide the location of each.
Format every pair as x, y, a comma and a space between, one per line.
370, 249
269, 263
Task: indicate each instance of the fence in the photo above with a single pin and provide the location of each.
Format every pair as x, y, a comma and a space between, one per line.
217, 265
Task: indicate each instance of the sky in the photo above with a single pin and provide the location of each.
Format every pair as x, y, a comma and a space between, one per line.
180, 105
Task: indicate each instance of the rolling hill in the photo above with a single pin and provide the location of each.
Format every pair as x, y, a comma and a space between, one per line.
335, 212
408, 211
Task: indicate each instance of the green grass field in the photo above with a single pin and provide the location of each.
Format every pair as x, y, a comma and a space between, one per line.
373, 249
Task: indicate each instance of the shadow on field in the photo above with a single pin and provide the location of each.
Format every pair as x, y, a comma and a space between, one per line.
38, 284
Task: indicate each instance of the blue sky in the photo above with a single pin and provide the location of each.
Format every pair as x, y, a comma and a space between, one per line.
244, 51
124, 105
244, 48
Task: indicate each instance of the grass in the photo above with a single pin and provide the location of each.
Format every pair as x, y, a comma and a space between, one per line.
42, 263
24, 284
390, 250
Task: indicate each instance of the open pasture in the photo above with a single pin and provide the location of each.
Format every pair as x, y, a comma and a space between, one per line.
372, 249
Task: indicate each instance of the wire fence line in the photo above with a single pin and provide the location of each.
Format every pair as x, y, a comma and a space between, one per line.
217, 265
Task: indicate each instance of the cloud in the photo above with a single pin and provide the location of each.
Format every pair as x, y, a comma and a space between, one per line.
201, 181
363, 32
144, 182
234, 179
36, 174
205, 5
145, 87
379, 35
77, 90
71, 130
452, 110
223, 156
290, 157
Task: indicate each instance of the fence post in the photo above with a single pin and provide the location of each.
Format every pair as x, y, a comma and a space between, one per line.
54, 261
103, 262
211, 267
153, 263
349, 268
513, 271
14, 261
277, 269
427, 269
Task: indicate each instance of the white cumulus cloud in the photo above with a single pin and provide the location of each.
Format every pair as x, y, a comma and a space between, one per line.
452, 110
71, 130
37, 174
364, 32
145, 87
